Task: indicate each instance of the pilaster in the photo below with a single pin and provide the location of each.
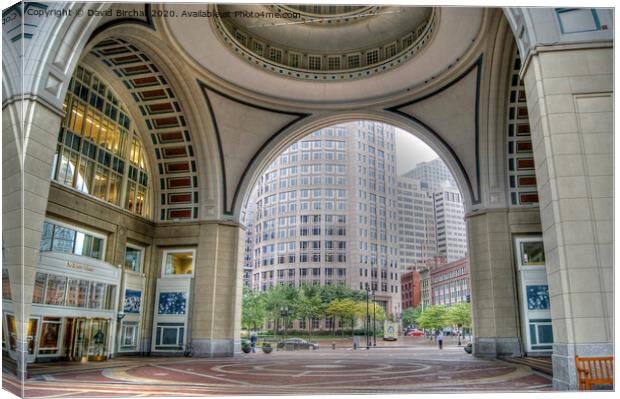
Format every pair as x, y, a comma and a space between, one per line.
570, 103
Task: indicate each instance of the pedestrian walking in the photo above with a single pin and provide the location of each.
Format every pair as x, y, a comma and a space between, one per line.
253, 340
440, 339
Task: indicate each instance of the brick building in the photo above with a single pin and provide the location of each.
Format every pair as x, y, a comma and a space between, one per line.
450, 283
410, 289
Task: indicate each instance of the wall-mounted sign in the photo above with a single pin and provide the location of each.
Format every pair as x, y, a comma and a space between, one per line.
80, 266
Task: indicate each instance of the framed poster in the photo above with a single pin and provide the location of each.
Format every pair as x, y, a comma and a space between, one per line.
172, 302
537, 297
133, 300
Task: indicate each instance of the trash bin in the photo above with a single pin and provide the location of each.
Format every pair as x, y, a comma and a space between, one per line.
356, 341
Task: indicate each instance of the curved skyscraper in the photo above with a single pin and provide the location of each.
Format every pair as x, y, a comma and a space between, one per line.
326, 213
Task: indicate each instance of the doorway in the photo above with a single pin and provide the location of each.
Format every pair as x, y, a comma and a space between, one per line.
86, 339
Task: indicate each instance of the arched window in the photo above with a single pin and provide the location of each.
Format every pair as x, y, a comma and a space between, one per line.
99, 152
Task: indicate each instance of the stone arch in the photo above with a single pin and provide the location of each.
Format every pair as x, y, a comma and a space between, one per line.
311, 124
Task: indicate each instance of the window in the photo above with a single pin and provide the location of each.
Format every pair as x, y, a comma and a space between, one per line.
50, 333
55, 294
314, 62
179, 263
275, 54
129, 335
372, 57
133, 258
169, 336
354, 61
6, 286
97, 149
333, 63
390, 50
59, 238
295, 62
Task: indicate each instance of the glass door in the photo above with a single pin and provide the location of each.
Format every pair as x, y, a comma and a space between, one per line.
31, 338
98, 339
76, 339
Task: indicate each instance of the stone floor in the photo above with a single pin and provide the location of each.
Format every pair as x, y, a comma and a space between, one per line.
411, 369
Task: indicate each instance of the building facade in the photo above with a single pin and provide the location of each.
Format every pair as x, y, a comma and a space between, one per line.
417, 235
411, 289
450, 283
434, 174
325, 213
450, 224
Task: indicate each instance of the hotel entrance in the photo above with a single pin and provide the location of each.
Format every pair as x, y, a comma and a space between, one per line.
86, 339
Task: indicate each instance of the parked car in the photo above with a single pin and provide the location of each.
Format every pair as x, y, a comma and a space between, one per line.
414, 333
297, 343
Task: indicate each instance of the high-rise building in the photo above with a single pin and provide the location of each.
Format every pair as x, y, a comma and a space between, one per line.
326, 213
450, 225
416, 223
434, 175
248, 249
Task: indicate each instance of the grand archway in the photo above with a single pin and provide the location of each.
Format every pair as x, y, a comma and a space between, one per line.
228, 105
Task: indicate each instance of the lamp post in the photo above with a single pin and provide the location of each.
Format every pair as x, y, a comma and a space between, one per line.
284, 313
367, 320
374, 320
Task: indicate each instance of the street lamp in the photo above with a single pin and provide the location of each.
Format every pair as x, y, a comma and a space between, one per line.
367, 320
374, 319
284, 313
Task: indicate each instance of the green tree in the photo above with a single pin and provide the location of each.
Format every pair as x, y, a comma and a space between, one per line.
277, 298
253, 309
309, 304
460, 314
410, 315
433, 318
344, 310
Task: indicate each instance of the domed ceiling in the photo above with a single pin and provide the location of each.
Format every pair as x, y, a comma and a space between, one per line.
324, 42
318, 54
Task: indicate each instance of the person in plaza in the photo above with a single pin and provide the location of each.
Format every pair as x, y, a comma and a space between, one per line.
440, 339
253, 340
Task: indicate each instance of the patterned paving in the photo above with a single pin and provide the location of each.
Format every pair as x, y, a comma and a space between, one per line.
343, 371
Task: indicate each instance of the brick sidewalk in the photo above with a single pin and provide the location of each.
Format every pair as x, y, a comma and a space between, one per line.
421, 368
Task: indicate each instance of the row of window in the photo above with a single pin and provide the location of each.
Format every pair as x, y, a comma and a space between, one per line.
50, 289
92, 154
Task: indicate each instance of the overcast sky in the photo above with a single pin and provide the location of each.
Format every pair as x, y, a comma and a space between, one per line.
410, 151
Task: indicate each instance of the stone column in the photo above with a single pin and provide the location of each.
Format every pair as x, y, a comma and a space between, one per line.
570, 103
492, 280
216, 314
27, 154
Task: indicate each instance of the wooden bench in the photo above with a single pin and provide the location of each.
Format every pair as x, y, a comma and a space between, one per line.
594, 371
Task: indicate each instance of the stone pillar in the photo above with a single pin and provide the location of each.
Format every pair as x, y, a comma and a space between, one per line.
27, 154
216, 316
570, 103
492, 281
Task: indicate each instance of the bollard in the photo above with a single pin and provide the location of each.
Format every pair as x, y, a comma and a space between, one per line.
333, 345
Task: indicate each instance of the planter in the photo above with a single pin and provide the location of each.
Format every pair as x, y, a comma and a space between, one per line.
246, 349
267, 349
